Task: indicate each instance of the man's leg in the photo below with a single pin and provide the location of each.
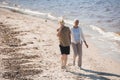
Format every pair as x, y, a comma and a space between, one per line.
65, 59
62, 60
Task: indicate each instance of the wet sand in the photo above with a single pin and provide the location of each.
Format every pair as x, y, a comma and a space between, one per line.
29, 51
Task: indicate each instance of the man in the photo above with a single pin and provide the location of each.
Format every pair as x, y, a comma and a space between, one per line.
64, 38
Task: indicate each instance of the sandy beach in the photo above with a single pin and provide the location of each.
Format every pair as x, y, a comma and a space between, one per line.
29, 51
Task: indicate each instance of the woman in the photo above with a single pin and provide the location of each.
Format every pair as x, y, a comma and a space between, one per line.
77, 41
65, 40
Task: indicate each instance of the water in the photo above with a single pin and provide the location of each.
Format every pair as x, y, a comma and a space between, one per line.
100, 18
102, 13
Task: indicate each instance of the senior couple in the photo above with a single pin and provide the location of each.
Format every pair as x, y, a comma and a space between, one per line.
73, 36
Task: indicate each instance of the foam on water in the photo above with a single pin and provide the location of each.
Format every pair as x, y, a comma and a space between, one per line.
25, 11
110, 35
52, 17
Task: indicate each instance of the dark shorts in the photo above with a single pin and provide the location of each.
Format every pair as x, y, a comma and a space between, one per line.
65, 49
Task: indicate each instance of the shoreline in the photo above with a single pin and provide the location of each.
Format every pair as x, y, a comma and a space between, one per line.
30, 52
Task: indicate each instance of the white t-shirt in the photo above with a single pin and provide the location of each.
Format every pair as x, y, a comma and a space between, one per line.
77, 35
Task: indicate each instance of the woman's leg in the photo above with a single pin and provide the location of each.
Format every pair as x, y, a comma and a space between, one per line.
79, 54
75, 52
74, 59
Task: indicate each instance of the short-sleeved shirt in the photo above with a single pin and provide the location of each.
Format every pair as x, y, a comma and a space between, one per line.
64, 37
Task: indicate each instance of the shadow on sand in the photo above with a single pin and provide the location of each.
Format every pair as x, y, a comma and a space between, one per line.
94, 75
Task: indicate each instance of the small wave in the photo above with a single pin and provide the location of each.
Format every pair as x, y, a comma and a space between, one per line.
4, 3
69, 22
30, 12
110, 35
36, 13
24, 11
52, 17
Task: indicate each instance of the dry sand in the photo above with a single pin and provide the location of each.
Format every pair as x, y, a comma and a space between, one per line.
29, 51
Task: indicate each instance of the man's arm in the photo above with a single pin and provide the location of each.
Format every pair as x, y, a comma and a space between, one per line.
70, 35
59, 32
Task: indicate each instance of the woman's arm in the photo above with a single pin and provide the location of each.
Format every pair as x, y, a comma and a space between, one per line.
86, 44
84, 39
